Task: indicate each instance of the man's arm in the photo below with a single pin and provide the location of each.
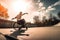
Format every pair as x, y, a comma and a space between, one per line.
14, 18
25, 13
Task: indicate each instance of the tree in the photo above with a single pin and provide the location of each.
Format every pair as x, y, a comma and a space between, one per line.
3, 12
36, 19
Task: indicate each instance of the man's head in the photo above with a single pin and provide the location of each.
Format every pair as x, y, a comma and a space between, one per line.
20, 13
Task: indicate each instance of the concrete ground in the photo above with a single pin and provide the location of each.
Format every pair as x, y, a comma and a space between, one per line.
40, 33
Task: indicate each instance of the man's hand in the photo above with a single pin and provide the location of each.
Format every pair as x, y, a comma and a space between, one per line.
12, 18
25, 13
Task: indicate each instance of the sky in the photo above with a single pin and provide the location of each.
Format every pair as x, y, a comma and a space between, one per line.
32, 7
47, 6
48, 3
51, 2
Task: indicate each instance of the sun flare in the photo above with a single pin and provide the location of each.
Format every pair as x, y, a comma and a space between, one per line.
19, 5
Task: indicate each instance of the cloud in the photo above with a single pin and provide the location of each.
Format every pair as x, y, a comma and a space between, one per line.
51, 7
57, 3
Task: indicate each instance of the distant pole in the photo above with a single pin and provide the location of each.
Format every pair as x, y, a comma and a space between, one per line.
59, 14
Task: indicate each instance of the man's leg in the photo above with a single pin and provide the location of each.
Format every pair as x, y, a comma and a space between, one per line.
26, 28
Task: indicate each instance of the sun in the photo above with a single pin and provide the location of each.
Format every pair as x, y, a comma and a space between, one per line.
19, 5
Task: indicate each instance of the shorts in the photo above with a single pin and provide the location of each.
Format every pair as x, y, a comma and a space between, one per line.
21, 22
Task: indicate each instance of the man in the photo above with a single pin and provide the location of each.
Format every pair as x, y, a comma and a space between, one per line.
19, 16
19, 20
